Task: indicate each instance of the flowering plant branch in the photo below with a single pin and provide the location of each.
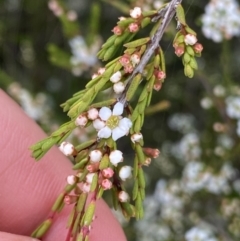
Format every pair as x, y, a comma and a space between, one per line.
98, 162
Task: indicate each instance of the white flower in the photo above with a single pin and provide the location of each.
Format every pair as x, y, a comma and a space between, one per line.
115, 125
219, 91
116, 77
71, 180
92, 114
81, 120
125, 172
220, 22
115, 157
95, 156
67, 148
136, 12
190, 39
123, 196
206, 103
196, 234
136, 137
118, 87
233, 107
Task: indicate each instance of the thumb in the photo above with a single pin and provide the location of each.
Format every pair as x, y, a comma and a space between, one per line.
13, 237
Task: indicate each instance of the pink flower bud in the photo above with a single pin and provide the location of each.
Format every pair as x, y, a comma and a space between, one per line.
67, 148
106, 184
93, 167
179, 51
123, 196
154, 153
147, 162
53, 5
135, 59
95, 156
116, 77
125, 172
128, 68
136, 137
160, 75
136, 12
133, 27
94, 76
157, 85
70, 199
81, 120
107, 172
124, 60
117, 30
190, 39
72, 15
198, 48
71, 179
119, 87
115, 157
92, 114
101, 71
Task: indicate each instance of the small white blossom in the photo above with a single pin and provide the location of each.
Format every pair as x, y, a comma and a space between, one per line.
115, 125
123, 196
136, 12
119, 87
95, 156
125, 172
67, 148
116, 77
221, 20
115, 157
71, 180
190, 39
81, 121
136, 137
199, 234
233, 107
219, 91
206, 103
92, 114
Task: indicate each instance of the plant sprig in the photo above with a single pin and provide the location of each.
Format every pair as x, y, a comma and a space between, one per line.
98, 163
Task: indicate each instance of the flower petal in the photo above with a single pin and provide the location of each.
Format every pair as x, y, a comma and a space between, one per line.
105, 113
125, 124
98, 124
118, 108
117, 133
105, 132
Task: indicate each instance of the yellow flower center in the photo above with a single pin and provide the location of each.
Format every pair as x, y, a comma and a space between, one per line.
112, 122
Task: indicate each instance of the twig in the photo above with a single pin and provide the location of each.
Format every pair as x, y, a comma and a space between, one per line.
169, 14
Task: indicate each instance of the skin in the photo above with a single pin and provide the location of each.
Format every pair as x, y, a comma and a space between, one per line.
28, 189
